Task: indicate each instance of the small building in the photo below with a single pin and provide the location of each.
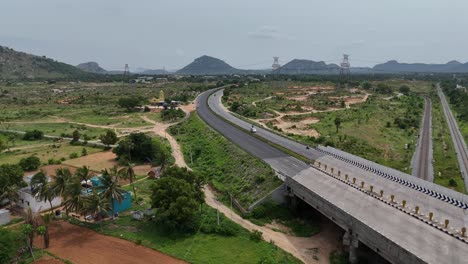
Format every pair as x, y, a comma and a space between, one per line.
27, 199
125, 204
5, 217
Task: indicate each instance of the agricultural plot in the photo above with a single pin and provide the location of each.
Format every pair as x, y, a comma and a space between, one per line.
381, 126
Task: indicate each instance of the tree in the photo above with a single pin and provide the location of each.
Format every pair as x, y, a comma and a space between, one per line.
3, 144
84, 173
62, 178
73, 199
177, 196
128, 173
367, 85
8, 245
11, 175
10, 192
404, 89
111, 189
30, 163
138, 147
33, 135
46, 220
42, 188
109, 138
96, 205
76, 136
130, 102
337, 123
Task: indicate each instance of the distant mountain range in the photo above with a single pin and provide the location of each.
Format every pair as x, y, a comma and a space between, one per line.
395, 67
20, 65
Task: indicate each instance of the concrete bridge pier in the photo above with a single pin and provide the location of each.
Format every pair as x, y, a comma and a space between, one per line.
351, 244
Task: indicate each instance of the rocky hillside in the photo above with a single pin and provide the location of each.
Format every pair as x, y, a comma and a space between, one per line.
297, 66
92, 67
207, 65
394, 66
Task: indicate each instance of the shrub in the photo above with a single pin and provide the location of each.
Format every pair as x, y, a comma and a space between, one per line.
33, 135
30, 163
73, 155
255, 236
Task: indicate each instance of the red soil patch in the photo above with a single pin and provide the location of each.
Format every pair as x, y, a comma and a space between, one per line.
50, 169
47, 260
84, 246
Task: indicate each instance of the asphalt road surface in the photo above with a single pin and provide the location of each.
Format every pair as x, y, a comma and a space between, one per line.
457, 138
422, 160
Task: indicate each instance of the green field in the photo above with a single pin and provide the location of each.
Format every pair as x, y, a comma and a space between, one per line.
227, 167
56, 151
201, 246
446, 171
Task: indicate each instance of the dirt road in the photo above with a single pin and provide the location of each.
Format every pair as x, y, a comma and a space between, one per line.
83, 246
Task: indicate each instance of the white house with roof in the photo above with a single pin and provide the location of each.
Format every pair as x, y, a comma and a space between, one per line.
27, 199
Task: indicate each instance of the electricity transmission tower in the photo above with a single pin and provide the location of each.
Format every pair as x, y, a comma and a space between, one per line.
344, 68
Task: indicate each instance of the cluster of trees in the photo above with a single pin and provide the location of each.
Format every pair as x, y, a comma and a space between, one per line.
457, 97
139, 147
109, 138
33, 135
172, 114
177, 197
130, 103
11, 180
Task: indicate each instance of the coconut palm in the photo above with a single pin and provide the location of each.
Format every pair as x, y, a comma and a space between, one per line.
128, 173
62, 177
32, 221
84, 173
96, 205
46, 219
73, 199
10, 192
111, 189
42, 188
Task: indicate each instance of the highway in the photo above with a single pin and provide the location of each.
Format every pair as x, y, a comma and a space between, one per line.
457, 138
416, 236
421, 163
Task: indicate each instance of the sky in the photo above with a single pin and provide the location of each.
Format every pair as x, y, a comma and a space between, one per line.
245, 33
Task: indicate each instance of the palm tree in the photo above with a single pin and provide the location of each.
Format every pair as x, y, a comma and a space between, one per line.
62, 177
41, 188
46, 219
96, 205
10, 192
32, 221
128, 172
73, 199
111, 189
84, 173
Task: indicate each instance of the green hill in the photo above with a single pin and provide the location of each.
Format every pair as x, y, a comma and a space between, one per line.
19, 65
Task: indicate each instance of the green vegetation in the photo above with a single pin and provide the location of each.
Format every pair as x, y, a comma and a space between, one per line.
52, 153
130, 103
10, 175
228, 168
301, 225
176, 196
172, 114
446, 171
338, 257
33, 135
109, 138
30, 163
209, 243
139, 147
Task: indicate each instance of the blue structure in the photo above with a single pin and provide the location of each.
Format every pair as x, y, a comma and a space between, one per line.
126, 202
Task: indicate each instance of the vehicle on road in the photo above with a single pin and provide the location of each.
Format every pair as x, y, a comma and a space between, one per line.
253, 129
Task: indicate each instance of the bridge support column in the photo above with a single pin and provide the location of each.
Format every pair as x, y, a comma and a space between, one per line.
351, 243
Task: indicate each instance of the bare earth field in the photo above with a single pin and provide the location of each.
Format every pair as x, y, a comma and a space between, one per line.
83, 246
